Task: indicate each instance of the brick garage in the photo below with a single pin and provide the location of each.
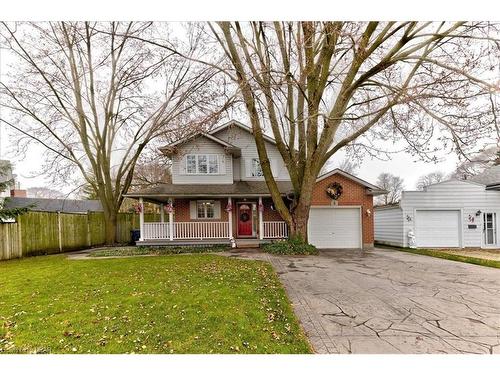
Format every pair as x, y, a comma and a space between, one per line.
354, 193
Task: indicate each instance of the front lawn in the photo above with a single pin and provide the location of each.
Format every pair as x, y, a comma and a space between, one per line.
165, 304
454, 255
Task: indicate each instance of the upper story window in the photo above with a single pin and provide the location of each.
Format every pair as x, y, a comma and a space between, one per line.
202, 164
256, 170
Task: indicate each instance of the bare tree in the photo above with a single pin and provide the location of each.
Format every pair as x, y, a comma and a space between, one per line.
324, 86
429, 179
476, 164
96, 96
393, 184
44, 192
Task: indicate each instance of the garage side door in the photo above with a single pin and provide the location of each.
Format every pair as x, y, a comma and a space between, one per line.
438, 228
334, 228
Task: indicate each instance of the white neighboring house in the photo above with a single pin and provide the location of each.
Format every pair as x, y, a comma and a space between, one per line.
449, 214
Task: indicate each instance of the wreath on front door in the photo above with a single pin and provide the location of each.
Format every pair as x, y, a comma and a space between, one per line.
334, 190
244, 217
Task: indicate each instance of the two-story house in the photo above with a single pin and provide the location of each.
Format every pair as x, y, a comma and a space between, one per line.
218, 195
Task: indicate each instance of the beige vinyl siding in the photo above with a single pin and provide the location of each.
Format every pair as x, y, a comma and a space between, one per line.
202, 145
245, 141
389, 226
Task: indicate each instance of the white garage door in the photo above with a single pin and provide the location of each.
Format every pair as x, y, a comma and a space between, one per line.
437, 228
335, 228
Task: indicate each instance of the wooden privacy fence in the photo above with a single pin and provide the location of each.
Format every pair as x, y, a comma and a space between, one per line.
37, 233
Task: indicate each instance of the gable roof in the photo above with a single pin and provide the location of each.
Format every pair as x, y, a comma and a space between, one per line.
172, 147
54, 205
374, 190
241, 126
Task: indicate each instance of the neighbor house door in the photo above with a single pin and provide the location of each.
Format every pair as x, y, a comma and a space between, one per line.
490, 228
245, 219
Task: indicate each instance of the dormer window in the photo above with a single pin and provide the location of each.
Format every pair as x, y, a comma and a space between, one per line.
202, 164
256, 170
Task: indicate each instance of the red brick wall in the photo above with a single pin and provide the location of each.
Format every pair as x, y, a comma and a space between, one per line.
181, 210
353, 194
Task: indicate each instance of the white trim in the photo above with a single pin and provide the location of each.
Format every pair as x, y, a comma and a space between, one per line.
261, 220
241, 126
141, 219
198, 173
349, 176
202, 134
230, 217
484, 245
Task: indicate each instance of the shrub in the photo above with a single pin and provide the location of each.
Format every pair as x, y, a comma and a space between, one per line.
292, 246
157, 250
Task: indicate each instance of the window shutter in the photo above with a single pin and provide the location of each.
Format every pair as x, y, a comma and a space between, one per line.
274, 167
182, 164
248, 167
216, 209
192, 210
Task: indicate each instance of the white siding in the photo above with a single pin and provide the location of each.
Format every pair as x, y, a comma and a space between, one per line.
202, 145
245, 141
389, 226
459, 195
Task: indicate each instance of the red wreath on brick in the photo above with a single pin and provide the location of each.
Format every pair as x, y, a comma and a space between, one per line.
334, 190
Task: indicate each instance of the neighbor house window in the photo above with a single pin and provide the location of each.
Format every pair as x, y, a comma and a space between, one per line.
202, 164
256, 168
205, 209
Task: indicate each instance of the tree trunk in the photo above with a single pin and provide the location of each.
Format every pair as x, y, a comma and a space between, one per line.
110, 225
298, 227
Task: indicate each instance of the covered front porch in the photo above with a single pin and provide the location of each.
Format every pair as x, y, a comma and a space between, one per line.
235, 220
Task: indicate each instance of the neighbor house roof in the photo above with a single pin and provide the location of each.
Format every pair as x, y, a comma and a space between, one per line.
373, 190
239, 188
54, 205
490, 177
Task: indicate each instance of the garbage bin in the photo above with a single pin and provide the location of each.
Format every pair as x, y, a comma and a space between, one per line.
135, 235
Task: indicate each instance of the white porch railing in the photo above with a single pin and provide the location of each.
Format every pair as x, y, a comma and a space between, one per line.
156, 231
275, 229
201, 230
187, 230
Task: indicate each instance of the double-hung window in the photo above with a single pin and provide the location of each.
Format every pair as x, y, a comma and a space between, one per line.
202, 164
205, 209
256, 170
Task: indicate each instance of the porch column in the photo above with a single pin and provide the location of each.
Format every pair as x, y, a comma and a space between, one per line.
171, 222
162, 213
261, 222
230, 218
141, 219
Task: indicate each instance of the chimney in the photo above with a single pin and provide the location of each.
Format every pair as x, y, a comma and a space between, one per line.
17, 192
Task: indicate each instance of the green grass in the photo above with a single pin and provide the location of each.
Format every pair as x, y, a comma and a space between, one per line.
443, 255
172, 304
156, 250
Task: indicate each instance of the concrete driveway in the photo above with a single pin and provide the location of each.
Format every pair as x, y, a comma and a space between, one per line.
385, 301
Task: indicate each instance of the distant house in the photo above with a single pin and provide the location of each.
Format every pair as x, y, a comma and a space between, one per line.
218, 193
449, 214
54, 205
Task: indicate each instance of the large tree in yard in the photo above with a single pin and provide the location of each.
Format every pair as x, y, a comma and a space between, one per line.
95, 96
320, 87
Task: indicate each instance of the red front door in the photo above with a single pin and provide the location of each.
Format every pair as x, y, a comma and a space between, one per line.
244, 219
